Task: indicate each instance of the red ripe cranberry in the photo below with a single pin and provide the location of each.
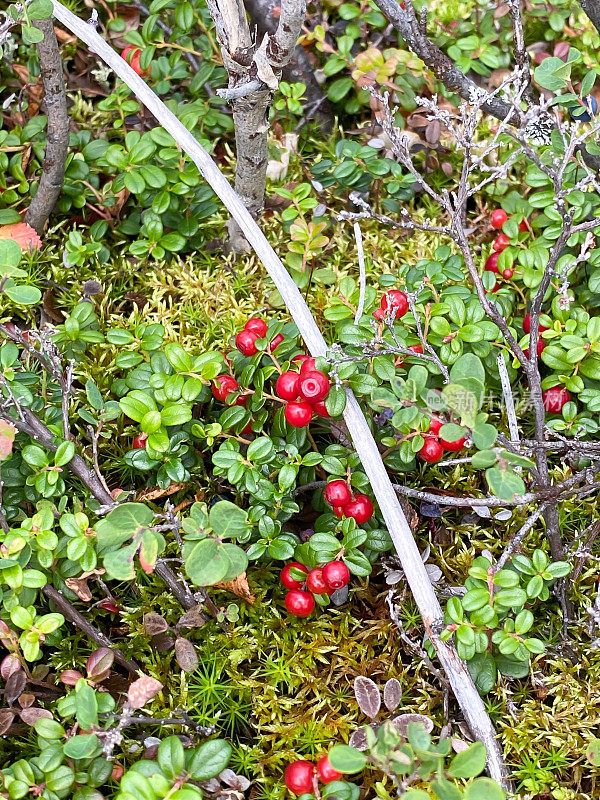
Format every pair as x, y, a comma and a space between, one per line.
320, 409
508, 273
287, 580
245, 342
298, 414
222, 386
455, 446
313, 386
132, 54
555, 398
361, 508
379, 314
527, 324
298, 603
308, 365
338, 511
539, 348
109, 605
434, 426
396, 302
337, 493
247, 429
336, 574
416, 348
299, 776
287, 385
432, 451
276, 341
256, 325
501, 243
498, 218
301, 357
139, 441
241, 400
523, 226
326, 772
491, 265
315, 582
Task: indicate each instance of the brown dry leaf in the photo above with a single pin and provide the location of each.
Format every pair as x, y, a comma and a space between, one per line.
6, 720
79, 585
156, 493
26, 700
154, 624
50, 308
194, 618
186, 655
64, 37
15, 686
10, 664
502, 11
239, 587
31, 715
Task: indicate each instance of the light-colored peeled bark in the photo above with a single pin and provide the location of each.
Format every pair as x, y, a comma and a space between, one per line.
462, 685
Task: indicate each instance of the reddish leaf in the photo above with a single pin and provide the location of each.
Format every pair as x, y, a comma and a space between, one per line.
10, 664
31, 715
143, 690
6, 720
70, 677
99, 662
7, 438
15, 686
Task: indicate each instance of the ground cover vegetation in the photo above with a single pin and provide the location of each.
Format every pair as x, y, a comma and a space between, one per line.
205, 589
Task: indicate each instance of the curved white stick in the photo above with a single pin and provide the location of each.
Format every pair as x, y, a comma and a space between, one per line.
466, 694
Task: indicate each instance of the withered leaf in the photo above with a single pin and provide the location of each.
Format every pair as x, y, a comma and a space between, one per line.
31, 715
6, 720
392, 694
186, 655
143, 690
404, 720
194, 618
26, 700
239, 587
367, 696
155, 624
155, 493
15, 686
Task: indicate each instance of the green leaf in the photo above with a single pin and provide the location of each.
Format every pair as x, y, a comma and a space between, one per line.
23, 295
210, 759
83, 746
171, 756
346, 759
484, 789
592, 752
205, 562
483, 671
336, 401
86, 705
446, 790
484, 459
119, 563
451, 432
176, 414
504, 482
468, 763
227, 520
64, 453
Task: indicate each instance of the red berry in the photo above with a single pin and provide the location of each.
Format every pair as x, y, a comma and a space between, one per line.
241, 400
256, 325
434, 426
416, 348
301, 357
379, 314
555, 398
539, 348
501, 243
361, 508
523, 226
508, 273
298, 414
455, 446
432, 451
287, 580
287, 385
527, 324
132, 54
491, 265
313, 386
276, 341
308, 365
223, 386
396, 302
139, 441
336, 574
498, 218
326, 772
299, 775
337, 493
298, 603
245, 342
338, 511
315, 582
320, 409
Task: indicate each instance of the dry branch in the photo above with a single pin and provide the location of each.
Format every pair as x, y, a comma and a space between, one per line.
464, 689
57, 133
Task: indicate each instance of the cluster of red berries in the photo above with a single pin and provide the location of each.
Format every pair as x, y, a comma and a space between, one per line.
527, 328
300, 600
434, 446
305, 392
132, 54
301, 776
394, 303
344, 504
255, 328
501, 242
